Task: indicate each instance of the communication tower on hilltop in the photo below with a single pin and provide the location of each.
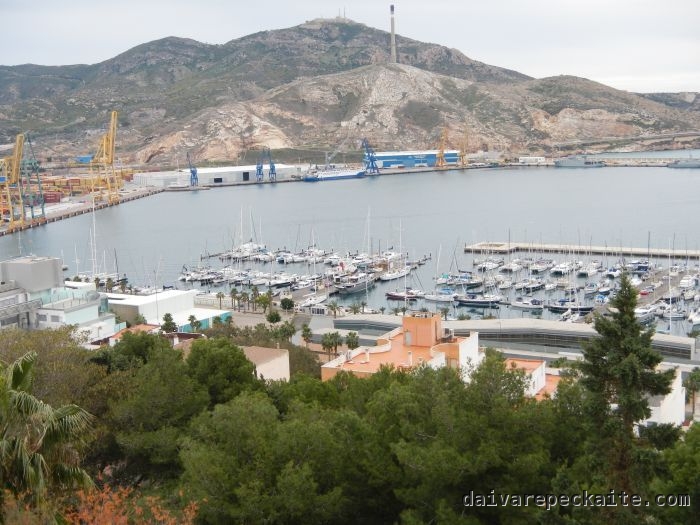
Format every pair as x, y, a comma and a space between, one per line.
393, 35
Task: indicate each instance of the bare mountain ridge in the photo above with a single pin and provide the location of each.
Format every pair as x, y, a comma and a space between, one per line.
314, 86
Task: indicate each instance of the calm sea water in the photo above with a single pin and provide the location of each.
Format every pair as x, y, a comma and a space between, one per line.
433, 213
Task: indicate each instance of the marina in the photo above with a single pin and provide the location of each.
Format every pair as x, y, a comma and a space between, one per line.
425, 216
574, 249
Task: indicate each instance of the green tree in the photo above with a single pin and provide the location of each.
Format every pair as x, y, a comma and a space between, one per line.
161, 400
692, 385
264, 301
38, 443
122, 285
352, 340
327, 344
221, 367
109, 284
618, 374
244, 297
220, 296
287, 304
133, 351
286, 331
334, 308
233, 294
273, 317
335, 340
683, 462
306, 334
168, 325
254, 294
139, 319
355, 308
444, 311
194, 323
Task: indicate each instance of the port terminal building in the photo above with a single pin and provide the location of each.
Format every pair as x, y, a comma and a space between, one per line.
414, 159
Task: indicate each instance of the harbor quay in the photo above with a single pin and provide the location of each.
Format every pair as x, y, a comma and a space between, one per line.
83, 205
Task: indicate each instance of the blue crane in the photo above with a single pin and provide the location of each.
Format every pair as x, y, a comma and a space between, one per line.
194, 180
259, 174
370, 159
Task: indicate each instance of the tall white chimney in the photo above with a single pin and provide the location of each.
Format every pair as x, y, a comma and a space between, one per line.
393, 36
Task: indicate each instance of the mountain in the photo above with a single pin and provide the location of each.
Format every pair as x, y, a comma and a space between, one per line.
313, 87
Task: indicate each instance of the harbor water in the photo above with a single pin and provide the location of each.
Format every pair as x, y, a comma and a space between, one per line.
422, 214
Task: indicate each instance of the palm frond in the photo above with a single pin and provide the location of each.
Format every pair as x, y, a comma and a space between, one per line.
19, 373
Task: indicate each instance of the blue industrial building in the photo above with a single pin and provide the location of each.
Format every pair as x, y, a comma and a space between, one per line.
413, 159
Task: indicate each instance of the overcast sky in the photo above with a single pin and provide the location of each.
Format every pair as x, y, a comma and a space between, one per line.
636, 45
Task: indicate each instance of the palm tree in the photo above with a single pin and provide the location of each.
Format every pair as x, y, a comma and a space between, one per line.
37, 441
327, 344
363, 304
220, 296
306, 334
109, 284
234, 296
333, 307
692, 385
255, 293
243, 298
352, 340
193, 322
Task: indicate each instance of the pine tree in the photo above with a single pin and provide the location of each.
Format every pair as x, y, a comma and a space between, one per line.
619, 374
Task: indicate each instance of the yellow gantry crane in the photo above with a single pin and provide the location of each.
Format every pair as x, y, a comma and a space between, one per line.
464, 151
11, 202
105, 179
440, 156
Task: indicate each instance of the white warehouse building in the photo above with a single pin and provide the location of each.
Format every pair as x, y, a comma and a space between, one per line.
221, 176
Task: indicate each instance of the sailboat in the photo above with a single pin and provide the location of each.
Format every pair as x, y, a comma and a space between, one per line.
440, 295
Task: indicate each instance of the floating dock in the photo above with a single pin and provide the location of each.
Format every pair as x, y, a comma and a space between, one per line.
516, 247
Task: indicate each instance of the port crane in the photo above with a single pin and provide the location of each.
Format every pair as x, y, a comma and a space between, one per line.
11, 201
33, 194
259, 173
440, 156
194, 180
370, 159
464, 151
102, 164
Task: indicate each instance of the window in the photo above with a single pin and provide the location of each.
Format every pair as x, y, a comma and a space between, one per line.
41, 317
55, 319
218, 180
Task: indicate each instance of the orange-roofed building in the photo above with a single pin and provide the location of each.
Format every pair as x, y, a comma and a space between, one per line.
420, 340
136, 329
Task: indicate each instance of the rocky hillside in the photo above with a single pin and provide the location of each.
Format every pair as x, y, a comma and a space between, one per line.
312, 88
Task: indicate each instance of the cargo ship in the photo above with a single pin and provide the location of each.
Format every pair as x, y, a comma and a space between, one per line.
335, 175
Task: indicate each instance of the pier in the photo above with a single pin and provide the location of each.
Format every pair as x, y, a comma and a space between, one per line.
82, 208
505, 248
